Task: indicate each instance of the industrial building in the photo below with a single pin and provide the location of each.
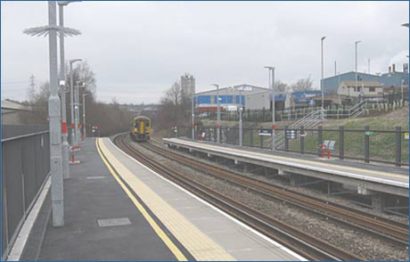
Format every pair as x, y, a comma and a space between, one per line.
230, 98
350, 85
253, 98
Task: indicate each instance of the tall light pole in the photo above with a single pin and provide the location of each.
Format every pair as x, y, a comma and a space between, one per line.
84, 126
193, 117
71, 62
271, 84
77, 111
355, 63
218, 115
402, 88
368, 65
66, 146
54, 115
54, 112
322, 73
240, 119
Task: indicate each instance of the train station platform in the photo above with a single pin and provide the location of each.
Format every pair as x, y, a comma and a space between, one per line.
367, 178
118, 209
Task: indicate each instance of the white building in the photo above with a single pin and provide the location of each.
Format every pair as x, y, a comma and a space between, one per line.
360, 88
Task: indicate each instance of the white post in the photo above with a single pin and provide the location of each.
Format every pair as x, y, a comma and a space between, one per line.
218, 116
322, 73
66, 146
54, 107
402, 92
240, 119
72, 103
77, 112
193, 117
84, 127
273, 110
355, 63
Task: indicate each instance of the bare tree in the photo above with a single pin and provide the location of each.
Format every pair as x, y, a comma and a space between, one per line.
281, 87
175, 108
173, 95
303, 84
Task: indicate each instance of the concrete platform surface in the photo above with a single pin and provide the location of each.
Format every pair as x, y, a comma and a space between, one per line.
206, 232
101, 222
393, 176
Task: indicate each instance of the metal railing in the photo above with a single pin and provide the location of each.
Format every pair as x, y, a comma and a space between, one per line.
26, 165
367, 145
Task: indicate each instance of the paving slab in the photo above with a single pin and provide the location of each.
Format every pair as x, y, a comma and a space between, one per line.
93, 195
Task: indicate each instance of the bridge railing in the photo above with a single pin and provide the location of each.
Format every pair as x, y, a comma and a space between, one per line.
26, 165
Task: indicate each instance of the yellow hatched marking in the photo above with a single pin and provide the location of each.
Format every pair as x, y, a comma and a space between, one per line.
157, 229
193, 239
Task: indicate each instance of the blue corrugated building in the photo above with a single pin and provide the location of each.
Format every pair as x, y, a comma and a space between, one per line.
394, 79
331, 84
390, 80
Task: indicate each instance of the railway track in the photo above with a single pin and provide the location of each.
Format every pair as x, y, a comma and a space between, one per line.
304, 244
394, 231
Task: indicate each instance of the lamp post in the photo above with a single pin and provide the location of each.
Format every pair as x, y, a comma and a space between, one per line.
271, 70
321, 78
402, 83
54, 111
84, 126
73, 139
77, 111
240, 119
355, 63
218, 115
193, 117
54, 114
66, 146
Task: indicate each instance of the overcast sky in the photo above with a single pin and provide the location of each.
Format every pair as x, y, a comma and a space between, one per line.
138, 49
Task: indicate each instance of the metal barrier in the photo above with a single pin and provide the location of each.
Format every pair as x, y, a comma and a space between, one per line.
368, 145
26, 165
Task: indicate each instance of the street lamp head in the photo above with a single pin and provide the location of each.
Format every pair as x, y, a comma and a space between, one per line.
216, 85
323, 38
75, 60
269, 67
405, 24
356, 42
64, 3
43, 31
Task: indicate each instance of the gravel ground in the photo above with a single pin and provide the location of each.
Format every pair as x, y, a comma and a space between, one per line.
362, 244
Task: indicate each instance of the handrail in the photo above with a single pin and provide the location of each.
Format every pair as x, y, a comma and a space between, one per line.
25, 136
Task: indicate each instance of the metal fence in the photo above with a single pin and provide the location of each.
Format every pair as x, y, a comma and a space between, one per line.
368, 145
26, 164
333, 111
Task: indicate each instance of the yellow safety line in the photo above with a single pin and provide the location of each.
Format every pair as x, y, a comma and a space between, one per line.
161, 234
193, 239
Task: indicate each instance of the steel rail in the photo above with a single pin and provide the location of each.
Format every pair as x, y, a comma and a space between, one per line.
396, 232
295, 239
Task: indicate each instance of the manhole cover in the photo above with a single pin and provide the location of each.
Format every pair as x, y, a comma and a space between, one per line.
113, 222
